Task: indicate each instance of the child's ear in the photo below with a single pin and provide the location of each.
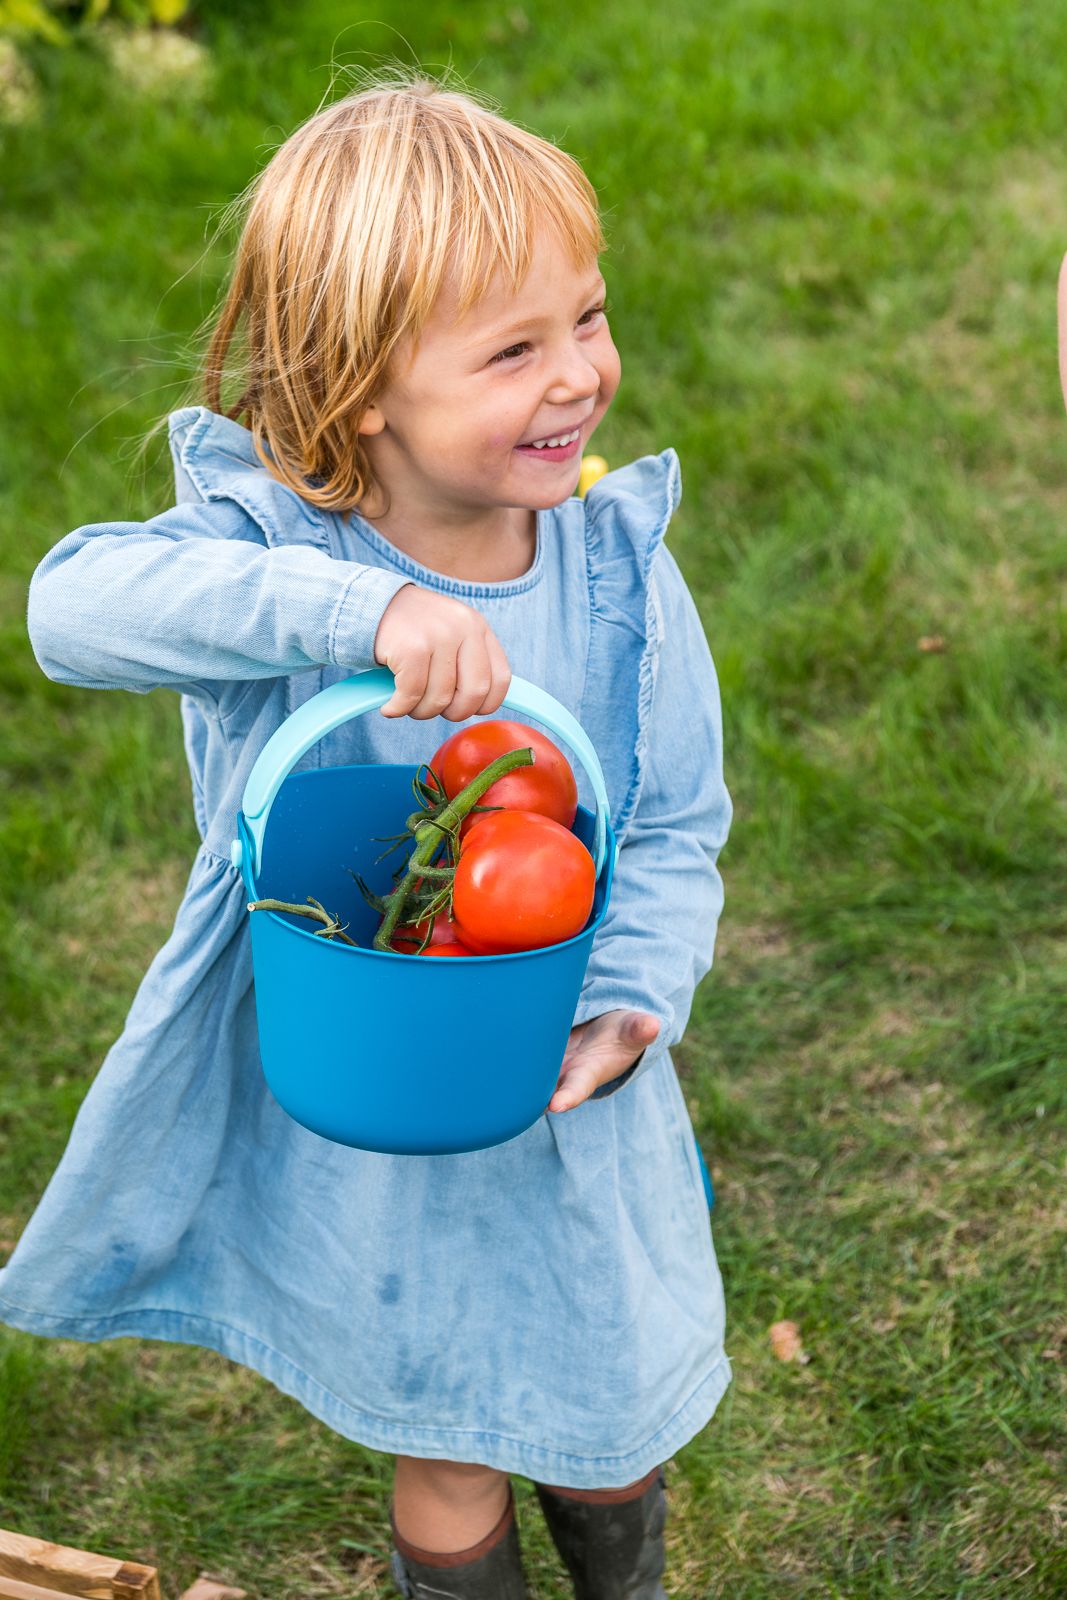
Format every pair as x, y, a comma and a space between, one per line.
1062, 314
371, 421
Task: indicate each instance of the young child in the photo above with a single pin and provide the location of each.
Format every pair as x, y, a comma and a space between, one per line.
426, 355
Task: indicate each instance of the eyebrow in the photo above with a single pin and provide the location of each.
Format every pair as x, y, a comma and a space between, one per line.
507, 330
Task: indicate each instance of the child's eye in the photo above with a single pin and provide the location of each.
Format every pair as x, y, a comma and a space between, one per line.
517, 349
512, 350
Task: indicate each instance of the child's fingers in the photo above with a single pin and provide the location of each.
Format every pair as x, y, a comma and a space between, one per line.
440, 683
577, 1085
418, 638
501, 676
474, 677
410, 686
443, 682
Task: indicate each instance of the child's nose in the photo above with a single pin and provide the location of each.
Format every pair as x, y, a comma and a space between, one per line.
575, 378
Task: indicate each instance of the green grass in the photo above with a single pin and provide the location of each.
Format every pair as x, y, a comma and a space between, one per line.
835, 234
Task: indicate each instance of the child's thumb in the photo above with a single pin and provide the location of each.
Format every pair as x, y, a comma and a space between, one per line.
639, 1028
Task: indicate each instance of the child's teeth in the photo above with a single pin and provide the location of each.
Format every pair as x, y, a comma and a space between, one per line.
550, 444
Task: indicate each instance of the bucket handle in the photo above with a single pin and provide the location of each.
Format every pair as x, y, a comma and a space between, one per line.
366, 691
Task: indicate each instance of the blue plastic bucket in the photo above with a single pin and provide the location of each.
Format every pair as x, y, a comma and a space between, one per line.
404, 1054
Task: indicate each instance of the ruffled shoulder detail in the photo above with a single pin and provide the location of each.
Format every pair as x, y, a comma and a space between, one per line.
627, 513
639, 499
215, 459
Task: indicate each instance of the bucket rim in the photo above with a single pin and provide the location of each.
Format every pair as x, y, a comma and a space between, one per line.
401, 955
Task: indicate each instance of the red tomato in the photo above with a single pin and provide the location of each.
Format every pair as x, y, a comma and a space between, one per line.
453, 949
548, 786
522, 881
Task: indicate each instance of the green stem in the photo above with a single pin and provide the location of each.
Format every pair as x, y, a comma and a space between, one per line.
428, 834
333, 926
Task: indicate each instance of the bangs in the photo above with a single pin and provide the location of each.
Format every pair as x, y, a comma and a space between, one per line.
501, 187
501, 211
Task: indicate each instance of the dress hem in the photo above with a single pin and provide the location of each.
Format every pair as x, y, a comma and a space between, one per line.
377, 1433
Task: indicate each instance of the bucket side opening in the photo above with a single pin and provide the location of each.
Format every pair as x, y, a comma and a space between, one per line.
329, 823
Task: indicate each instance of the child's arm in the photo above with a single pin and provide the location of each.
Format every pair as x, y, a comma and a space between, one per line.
194, 596
658, 937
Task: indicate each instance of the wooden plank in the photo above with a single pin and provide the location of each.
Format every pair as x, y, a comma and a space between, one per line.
202, 1589
11, 1589
135, 1581
66, 1571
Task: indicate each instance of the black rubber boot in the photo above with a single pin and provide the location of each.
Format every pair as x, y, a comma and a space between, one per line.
491, 1570
613, 1549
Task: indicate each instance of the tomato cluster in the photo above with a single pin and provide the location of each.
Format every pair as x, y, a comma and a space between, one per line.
523, 878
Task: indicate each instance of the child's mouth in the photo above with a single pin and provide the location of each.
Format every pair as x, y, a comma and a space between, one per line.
557, 447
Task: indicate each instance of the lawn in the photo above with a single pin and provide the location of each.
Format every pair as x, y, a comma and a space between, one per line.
835, 230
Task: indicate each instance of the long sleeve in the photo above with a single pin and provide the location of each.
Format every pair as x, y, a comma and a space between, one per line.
658, 938
194, 598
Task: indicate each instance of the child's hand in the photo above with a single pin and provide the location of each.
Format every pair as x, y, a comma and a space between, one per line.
600, 1050
446, 659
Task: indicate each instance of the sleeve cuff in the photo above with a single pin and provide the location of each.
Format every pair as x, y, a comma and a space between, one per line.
359, 611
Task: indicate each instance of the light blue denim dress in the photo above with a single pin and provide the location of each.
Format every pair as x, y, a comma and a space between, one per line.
550, 1307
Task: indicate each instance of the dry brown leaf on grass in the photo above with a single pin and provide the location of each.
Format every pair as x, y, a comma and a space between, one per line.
785, 1342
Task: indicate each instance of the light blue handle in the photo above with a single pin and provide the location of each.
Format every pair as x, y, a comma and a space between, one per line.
366, 691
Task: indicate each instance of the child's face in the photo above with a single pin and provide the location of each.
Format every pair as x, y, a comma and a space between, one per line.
452, 433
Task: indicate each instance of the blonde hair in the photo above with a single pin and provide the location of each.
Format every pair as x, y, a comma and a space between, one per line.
352, 231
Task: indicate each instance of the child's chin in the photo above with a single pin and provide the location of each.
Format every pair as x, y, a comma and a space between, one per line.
552, 494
